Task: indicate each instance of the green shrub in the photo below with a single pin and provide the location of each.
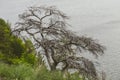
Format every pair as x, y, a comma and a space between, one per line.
28, 59
15, 72
27, 72
12, 49
43, 74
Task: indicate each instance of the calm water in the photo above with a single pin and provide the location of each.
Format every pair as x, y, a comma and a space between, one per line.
99, 19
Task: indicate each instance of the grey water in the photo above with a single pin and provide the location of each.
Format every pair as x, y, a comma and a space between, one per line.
99, 19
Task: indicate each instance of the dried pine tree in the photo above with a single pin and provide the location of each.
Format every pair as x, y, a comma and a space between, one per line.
47, 28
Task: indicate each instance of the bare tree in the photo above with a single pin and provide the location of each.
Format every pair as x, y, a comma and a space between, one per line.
47, 27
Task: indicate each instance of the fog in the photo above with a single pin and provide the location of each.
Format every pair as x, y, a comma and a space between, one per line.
99, 19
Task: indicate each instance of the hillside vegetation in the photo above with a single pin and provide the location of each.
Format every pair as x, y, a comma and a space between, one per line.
18, 60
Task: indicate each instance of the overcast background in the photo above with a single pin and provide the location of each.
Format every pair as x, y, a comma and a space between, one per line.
99, 19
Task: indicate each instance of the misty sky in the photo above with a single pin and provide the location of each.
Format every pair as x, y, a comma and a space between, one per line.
92, 12
99, 19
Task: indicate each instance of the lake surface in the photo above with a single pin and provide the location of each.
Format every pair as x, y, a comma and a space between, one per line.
99, 19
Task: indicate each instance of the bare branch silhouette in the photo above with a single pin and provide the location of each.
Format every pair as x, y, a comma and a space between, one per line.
48, 29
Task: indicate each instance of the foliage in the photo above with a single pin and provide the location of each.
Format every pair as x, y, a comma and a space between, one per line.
44, 74
26, 72
17, 46
29, 59
15, 72
47, 28
28, 56
4, 37
12, 49
10, 46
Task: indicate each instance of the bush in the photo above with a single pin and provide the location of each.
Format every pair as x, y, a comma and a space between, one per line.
12, 49
43, 74
27, 72
15, 72
28, 59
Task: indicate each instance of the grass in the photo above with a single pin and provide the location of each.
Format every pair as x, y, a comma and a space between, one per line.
27, 72
15, 72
